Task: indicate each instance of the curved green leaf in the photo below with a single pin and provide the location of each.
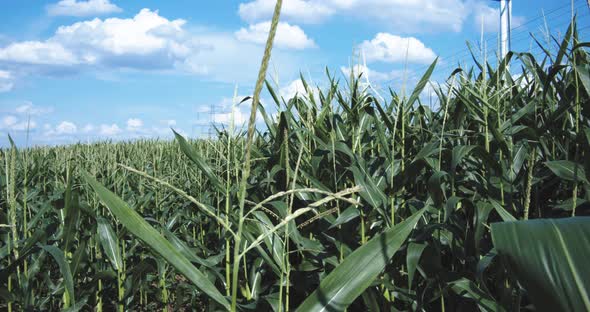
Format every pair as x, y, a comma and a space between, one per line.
435, 187
469, 289
550, 259
72, 215
412, 259
140, 228
460, 152
190, 152
185, 249
110, 243
347, 215
64, 267
567, 170
421, 84
350, 279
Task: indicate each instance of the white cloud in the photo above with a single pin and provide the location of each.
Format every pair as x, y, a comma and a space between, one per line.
144, 41
239, 117
390, 48
12, 123
145, 33
305, 11
374, 76
147, 37
109, 130
293, 88
68, 132
8, 121
296, 87
491, 18
32, 110
88, 128
66, 127
19, 119
227, 59
147, 41
287, 36
64, 130
524, 81
82, 8
223, 113
134, 124
38, 53
401, 15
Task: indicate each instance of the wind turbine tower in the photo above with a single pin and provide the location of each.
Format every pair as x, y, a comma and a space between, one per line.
505, 25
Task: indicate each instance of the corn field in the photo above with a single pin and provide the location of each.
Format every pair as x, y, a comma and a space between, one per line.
352, 201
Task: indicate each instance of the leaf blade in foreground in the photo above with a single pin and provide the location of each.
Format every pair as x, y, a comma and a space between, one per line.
356, 273
550, 259
141, 229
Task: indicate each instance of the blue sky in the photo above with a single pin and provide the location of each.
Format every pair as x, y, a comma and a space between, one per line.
74, 70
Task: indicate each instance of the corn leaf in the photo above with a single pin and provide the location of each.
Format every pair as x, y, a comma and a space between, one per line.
109, 243
350, 279
194, 156
550, 259
64, 267
567, 170
140, 228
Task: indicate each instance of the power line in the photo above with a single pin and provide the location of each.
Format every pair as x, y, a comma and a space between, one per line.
545, 15
494, 35
555, 14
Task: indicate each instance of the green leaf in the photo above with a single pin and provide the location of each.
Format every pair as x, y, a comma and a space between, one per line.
567, 170
64, 268
72, 214
482, 212
427, 150
421, 84
385, 117
347, 215
499, 137
371, 191
565, 42
505, 215
451, 205
273, 301
371, 301
584, 75
190, 152
185, 250
516, 116
460, 152
550, 259
79, 256
435, 187
140, 228
469, 289
78, 306
12, 145
350, 279
256, 273
109, 242
413, 258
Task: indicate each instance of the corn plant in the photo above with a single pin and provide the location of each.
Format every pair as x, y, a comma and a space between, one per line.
349, 201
